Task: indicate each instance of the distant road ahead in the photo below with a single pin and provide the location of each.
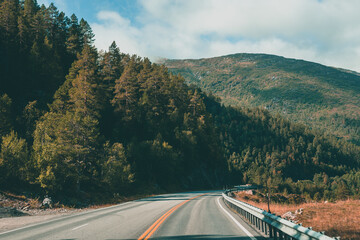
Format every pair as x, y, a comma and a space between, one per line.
195, 215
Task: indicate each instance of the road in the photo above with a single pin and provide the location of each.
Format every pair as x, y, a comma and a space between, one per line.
195, 215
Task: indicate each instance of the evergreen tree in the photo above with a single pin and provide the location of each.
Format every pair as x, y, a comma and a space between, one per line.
31, 114
8, 20
126, 93
86, 33
65, 151
73, 42
30, 8
84, 78
111, 69
117, 171
5, 115
13, 160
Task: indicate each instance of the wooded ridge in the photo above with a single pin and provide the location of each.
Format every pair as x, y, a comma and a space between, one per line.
323, 98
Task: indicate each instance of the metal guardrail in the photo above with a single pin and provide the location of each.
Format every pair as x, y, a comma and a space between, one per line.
273, 226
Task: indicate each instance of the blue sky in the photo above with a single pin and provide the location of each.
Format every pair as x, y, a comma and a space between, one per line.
88, 9
324, 31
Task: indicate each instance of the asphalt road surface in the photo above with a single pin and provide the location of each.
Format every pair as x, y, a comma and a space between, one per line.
195, 215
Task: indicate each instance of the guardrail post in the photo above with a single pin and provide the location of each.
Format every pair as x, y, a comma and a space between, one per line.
266, 229
275, 234
270, 231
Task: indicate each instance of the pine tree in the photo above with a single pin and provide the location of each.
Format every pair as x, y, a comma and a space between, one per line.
73, 42
30, 8
84, 78
111, 70
5, 115
23, 35
127, 92
38, 24
65, 151
8, 19
87, 34
117, 171
31, 114
13, 159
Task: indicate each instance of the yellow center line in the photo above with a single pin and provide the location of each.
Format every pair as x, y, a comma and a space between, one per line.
150, 231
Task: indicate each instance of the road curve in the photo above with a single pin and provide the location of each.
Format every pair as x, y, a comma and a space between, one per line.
195, 215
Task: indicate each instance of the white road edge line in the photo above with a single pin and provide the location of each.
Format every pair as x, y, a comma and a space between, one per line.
236, 222
75, 228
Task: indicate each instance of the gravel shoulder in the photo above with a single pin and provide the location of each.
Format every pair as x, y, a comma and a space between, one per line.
9, 223
19, 211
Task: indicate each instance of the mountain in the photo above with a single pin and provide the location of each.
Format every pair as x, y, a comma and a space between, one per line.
324, 98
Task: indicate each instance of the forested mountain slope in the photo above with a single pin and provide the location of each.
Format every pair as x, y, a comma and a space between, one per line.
78, 123
321, 97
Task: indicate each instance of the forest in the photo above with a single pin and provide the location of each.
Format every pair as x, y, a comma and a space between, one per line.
79, 123
320, 97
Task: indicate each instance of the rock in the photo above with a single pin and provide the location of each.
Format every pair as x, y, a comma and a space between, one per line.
299, 211
249, 192
26, 208
289, 216
47, 202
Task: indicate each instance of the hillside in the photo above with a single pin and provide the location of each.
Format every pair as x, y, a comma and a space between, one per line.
323, 98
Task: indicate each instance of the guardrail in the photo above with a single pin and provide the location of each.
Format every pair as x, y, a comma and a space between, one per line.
273, 226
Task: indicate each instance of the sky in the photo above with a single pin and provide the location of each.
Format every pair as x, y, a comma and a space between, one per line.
323, 31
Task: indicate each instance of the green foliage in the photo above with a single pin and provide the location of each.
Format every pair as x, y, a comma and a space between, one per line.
320, 97
64, 150
30, 115
34, 55
83, 76
117, 171
5, 115
13, 159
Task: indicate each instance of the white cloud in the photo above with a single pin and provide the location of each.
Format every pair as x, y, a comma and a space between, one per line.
113, 27
325, 31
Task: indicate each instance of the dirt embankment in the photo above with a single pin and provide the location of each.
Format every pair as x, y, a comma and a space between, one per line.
18, 211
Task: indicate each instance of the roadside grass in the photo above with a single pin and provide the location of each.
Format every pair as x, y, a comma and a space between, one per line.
341, 218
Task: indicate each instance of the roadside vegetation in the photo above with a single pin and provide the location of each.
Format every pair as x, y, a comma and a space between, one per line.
336, 218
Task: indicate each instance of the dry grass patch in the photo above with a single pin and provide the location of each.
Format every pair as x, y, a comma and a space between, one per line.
336, 219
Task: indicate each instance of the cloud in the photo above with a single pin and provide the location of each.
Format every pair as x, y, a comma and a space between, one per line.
325, 31
114, 27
